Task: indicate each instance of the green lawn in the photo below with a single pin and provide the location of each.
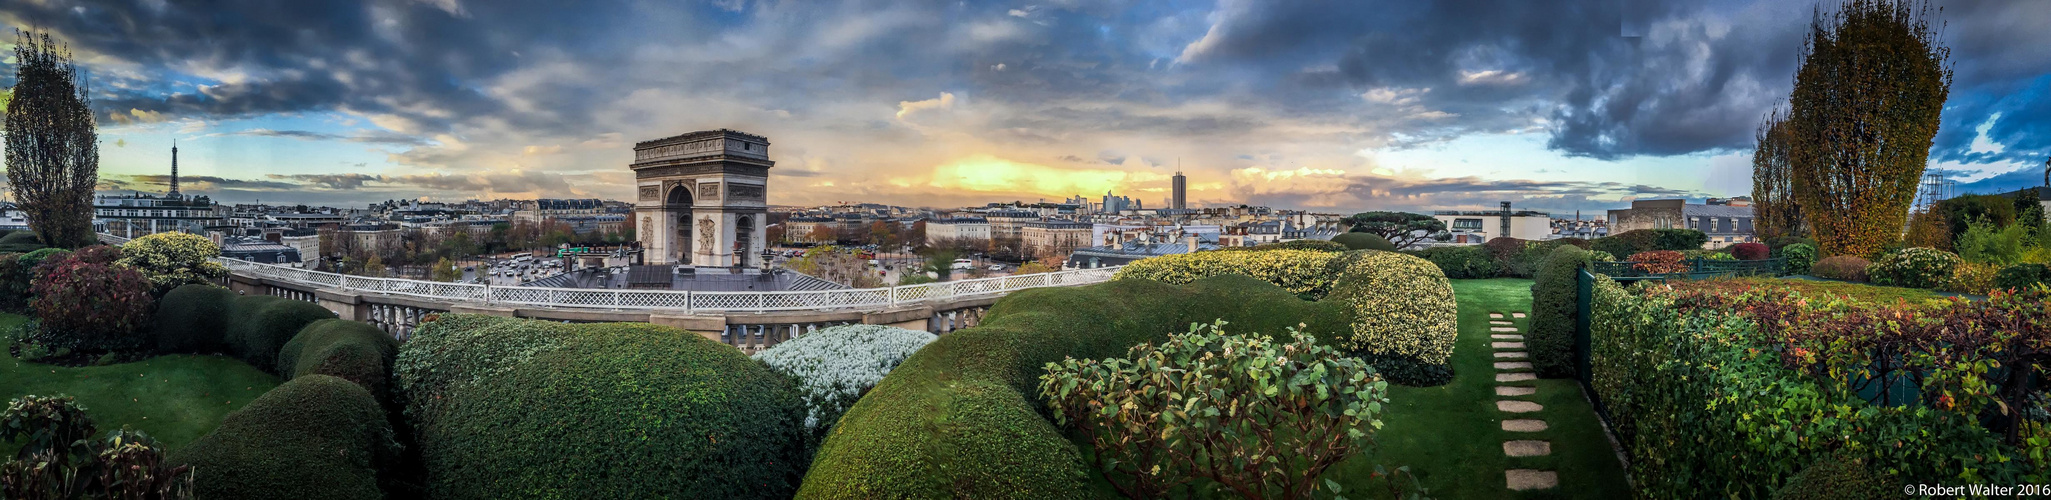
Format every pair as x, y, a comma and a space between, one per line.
175, 399
1451, 435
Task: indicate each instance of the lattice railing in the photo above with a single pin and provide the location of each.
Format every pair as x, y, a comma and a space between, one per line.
866, 298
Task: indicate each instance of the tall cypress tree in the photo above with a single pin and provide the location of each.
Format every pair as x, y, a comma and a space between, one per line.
1866, 105
53, 153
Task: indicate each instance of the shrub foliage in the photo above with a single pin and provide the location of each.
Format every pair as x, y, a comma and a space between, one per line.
90, 305
313, 437
834, 366
1842, 267
350, 350
1461, 262
1800, 257
169, 260
1914, 268
1553, 312
1364, 241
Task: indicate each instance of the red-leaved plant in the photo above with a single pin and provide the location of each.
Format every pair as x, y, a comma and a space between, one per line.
85, 302
1659, 262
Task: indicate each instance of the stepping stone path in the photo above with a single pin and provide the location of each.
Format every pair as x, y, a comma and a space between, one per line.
1508, 344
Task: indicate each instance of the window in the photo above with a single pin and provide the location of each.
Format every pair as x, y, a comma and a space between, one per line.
1467, 224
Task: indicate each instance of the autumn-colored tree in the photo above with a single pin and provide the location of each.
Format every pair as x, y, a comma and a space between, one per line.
1776, 211
1927, 228
445, 271
824, 233
1866, 104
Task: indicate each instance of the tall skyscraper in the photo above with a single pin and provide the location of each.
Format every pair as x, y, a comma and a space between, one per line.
1181, 196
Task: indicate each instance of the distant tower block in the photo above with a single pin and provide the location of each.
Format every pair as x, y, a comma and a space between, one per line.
702, 198
1181, 196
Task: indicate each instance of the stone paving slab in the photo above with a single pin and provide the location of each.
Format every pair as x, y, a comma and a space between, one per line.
1515, 391
1513, 406
1502, 328
1524, 425
1528, 479
1527, 448
1516, 377
1511, 355
1495, 315
1500, 322
1504, 336
1507, 345
1513, 365
1516, 315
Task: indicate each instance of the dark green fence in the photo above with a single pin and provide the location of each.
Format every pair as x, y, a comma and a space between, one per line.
1698, 268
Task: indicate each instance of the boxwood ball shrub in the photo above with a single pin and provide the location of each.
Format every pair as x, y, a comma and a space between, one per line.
193, 318
350, 350
1553, 311
1461, 262
1842, 267
1915, 267
89, 305
258, 326
961, 419
1751, 251
835, 365
514, 408
1403, 316
312, 438
1800, 257
2022, 276
1364, 241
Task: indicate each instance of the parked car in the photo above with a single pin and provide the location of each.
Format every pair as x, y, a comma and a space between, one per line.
996, 267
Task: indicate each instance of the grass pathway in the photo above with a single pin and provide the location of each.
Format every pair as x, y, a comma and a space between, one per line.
1453, 436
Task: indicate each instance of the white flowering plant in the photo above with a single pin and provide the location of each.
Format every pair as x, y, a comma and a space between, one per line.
834, 366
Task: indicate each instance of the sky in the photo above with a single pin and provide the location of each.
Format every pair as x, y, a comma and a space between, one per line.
1329, 105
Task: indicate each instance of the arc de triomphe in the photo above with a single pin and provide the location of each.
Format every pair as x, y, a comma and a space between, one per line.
702, 198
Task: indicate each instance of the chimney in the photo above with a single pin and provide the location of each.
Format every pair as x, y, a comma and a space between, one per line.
1189, 239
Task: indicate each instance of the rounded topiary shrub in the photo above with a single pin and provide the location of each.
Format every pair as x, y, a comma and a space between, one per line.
1364, 241
193, 318
2022, 276
835, 365
1800, 257
1462, 262
513, 408
169, 260
1916, 267
1553, 310
89, 305
259, 325
1404, 318
350, 350
312, 438
1842, 267
1751, 251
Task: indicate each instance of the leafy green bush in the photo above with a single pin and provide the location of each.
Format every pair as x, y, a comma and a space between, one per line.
16, 280
1318, 245
1842, 267
313, 437
169, 260
1162, 416
20, 242
835, 365
1364, 241
1983, 242
193, 318
1914, 268
1795, 378
1553, 310
958, 418
1404, 317
1646, 240
1461, 262
514, 408
1835, 477
44, 424
2022, 276
1970, 277
1800, 257
59, 460
260, 325
86, 305
350, 350
1302, 272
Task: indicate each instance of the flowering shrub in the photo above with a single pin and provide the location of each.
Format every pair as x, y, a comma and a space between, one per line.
91, 306
836, 365
1842, 267
1658, 262
1302, 272
172, 259
1750, 251
1920, 392
1163, 416
1914, 268
1800, 257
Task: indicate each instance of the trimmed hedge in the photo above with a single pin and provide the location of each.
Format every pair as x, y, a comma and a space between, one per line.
2022, 276
21, 241
1302, 272
253, 328
1461, 262
514, 408
312, 438
957, 419
1364, 241
350, 350
1553, 311
1646, 240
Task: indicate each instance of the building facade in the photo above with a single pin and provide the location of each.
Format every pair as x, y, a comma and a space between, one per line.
959, 230
1054, 237
1179, 199
1472, 227
702, 198
1726, 222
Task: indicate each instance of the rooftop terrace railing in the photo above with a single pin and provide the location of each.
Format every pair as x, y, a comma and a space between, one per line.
681, 300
